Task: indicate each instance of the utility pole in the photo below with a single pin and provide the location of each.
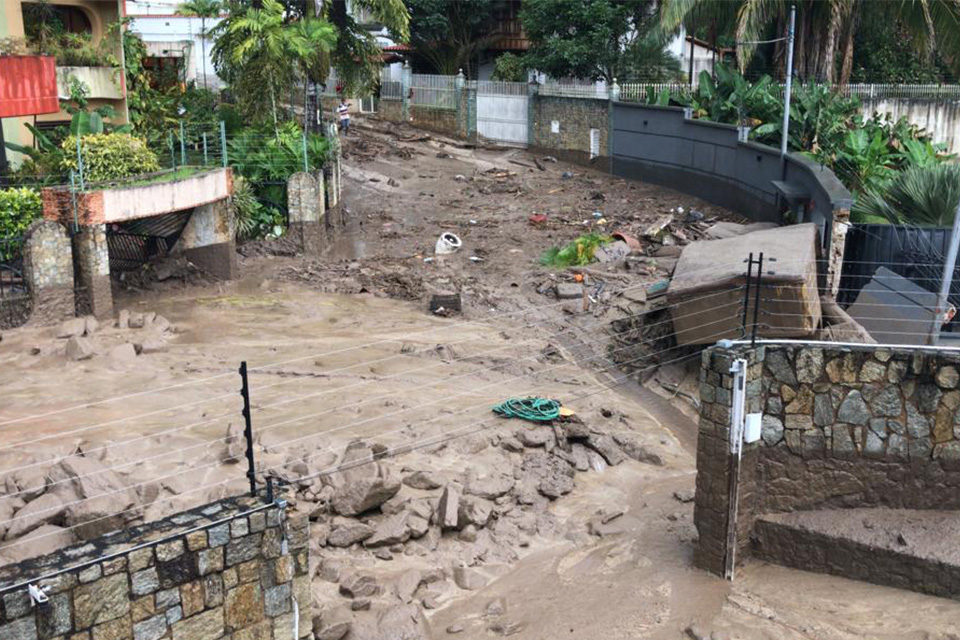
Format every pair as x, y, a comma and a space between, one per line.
949, 265
784, 134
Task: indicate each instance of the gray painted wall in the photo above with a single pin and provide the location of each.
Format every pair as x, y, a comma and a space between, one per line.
704, 159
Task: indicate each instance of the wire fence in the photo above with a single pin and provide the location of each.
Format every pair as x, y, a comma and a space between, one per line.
307, 440
574, 89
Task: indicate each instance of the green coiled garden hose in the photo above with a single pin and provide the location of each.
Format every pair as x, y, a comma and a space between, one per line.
532, 409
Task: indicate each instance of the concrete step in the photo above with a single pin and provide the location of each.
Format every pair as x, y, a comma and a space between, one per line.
908, 549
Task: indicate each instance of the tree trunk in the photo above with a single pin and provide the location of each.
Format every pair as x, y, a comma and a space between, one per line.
828, 58
846, 66
203, 49
800, 43
273, 106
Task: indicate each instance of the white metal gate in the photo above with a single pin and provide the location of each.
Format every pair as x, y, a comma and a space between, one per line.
502, 112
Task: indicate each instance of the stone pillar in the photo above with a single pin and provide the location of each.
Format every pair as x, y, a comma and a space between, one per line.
712, 508
208, 240
93, 269
48, 271
406, 82
305, 203
838, 243
533, 91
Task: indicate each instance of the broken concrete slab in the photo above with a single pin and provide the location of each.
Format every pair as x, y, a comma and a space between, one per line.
79, 349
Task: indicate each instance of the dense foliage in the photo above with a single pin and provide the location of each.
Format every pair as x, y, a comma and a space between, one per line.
596, 39
261, 54
266, 160
868, 154
447, 35
920, 195
108, 156
826, 31
509, 67
18, 208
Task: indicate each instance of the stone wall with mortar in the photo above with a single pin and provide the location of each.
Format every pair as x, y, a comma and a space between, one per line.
712, 508
575, 117
867, 426
48, 271
213, 573
842, 427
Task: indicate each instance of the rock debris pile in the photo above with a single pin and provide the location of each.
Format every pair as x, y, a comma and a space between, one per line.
389, 543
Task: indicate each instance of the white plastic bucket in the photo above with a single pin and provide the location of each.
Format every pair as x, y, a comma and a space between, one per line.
447, 243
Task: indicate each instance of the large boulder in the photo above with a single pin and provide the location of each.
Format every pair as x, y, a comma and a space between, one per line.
391, 530
103, 497
362, 484
491, 486
354, 498
39, 542
424, 480
347, 531
475, 511
47, 509
449, 506
552, 475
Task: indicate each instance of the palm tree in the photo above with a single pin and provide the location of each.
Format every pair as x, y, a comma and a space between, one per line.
202, 9
825, 28
264, 49
922, 196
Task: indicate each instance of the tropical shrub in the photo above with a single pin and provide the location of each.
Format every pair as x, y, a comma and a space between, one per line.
252, 218
266, 160
18, 208
509, 67
922, 195
109, 156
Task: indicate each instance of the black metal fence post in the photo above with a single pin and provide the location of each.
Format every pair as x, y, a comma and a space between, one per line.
746, 296
248, 429
756, 300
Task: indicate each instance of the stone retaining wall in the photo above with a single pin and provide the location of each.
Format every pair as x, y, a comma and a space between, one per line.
213, 573
575, 118
842, 427
860, 427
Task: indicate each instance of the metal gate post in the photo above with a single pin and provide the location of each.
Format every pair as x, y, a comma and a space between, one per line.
737, 413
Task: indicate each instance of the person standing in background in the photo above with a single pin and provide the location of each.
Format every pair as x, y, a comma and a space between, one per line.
343, 110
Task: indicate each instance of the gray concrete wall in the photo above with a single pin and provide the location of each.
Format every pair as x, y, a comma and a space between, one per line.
704, 159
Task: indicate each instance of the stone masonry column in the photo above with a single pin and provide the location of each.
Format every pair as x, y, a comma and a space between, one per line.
93, 268
48, 270
714, 459
305, 203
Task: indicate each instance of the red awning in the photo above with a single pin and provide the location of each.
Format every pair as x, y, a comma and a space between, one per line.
28, 86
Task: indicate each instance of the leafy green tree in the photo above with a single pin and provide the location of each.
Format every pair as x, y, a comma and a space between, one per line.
448, 34
203, 9
884, 53
356, 56
509, 67
594, 39
260, 53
